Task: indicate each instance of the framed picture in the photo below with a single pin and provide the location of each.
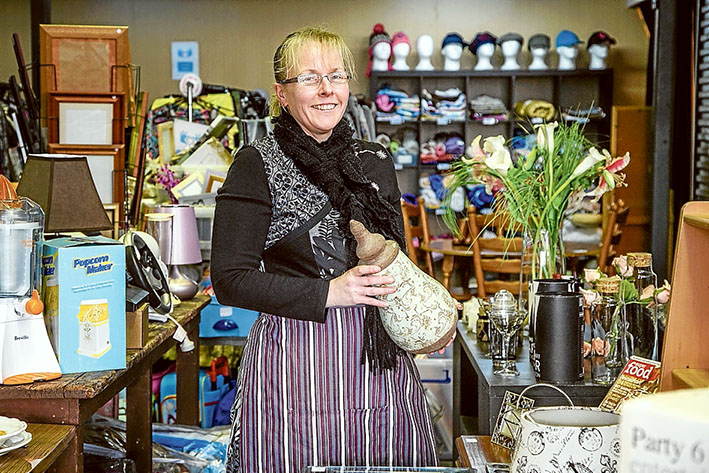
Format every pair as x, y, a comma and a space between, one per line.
166, 145
107, 166
114, 215
88, 59
85, 119
213, 182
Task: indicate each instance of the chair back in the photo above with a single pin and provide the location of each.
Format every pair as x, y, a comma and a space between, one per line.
416, 233
614, 230
500, 255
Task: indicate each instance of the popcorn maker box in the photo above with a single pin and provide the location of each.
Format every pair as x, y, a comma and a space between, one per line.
84, 285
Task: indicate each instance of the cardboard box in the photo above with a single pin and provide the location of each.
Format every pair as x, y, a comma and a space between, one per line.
84, 290
137, 327
224, 321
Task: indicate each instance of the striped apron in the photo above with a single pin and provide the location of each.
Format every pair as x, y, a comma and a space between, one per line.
303, 398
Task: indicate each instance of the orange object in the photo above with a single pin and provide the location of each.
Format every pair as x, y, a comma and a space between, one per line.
7, 191
34, 306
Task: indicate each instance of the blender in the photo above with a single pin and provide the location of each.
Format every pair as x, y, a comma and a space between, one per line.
26, 354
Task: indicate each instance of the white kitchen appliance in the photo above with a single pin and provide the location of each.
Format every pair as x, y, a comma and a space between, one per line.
26, 354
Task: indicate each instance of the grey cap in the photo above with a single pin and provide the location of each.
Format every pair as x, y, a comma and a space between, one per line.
510, 37
539, 41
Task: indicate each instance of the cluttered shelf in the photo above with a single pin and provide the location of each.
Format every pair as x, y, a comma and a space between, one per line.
73, 398
48, 444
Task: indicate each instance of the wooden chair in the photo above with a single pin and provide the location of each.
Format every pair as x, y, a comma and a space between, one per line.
614, 229
416, 227
498, 255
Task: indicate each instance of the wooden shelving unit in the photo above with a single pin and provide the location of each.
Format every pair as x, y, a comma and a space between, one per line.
578, 88
685, 358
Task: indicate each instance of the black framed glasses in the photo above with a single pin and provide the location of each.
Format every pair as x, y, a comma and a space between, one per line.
314, 79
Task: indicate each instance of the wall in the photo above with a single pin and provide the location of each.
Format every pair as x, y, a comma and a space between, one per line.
15, 18
237, 37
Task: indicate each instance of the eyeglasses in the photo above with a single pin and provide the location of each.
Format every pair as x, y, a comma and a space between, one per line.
314, 79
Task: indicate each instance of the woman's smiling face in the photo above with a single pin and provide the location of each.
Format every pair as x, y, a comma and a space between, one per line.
316, 108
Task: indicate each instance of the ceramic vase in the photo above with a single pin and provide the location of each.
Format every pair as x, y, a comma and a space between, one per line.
567, 439
421, 315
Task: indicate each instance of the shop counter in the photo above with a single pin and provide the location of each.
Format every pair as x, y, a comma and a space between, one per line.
49, 446
73, 398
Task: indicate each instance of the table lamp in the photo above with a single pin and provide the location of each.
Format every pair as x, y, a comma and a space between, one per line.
62, 185
185, 248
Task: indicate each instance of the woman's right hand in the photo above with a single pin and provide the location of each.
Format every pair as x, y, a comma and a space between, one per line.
359, 285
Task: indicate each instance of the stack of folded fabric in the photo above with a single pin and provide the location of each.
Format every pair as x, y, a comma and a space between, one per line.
537, 111
392, 102
488, 110
442, 148
582, 115
449, 104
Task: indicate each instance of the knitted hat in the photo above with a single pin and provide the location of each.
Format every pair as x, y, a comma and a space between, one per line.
510, 37
452, 38
378, 35
400, 37
567, 38
600, 37
539, 41
480, 39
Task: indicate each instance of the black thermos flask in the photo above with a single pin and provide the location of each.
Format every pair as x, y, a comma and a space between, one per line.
543, 286
558, 337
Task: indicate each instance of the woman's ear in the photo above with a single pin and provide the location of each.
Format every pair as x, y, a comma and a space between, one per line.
280, 94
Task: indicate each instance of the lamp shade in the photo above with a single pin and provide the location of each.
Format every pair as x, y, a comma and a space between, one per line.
185, 240
62, 185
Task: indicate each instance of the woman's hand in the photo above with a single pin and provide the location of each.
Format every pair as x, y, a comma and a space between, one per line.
359, 286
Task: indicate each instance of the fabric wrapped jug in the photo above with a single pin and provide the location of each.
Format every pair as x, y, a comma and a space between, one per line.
421, 316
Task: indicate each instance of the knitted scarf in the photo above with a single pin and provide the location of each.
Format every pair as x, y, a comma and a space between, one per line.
334, 167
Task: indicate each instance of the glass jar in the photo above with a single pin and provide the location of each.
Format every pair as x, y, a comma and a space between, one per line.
642, 319
606, 333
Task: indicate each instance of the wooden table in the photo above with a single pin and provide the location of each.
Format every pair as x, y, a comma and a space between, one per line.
48, 445
73, 398
475, 451
491, 388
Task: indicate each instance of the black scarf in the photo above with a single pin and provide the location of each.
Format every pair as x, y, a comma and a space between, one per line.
334, 167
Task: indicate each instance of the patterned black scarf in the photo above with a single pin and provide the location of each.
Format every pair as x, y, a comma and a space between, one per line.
334, 167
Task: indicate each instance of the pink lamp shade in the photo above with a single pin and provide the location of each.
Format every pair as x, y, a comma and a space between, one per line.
185, 240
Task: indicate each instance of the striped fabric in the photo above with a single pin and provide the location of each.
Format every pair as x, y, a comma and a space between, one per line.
304, 399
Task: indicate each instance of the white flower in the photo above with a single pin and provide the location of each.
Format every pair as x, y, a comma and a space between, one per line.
664, 296
622, 267
588, 162
590, 297
499, 158
545, 136
591, 275
499, 161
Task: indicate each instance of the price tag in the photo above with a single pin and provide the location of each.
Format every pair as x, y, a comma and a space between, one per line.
440, 211
405, 159
397, 120
398, 166
536, 121
443, 166
442, 121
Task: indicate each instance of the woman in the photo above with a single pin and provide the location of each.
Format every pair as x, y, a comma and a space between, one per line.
320, 383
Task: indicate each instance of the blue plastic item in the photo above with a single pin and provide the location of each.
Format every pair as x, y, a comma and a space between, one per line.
225, 321
208, 398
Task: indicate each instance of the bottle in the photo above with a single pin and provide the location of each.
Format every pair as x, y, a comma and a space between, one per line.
606, 333
642, 320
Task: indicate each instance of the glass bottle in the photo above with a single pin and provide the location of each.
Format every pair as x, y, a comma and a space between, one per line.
606, 333
642, 320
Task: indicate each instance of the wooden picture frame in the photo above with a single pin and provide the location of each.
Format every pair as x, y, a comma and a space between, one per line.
107, 165
85, 119
87, 59
114, 215
213, 183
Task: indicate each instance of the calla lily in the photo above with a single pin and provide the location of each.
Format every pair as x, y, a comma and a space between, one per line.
545, 136
474, 153
592, 158
494, 143
500, 161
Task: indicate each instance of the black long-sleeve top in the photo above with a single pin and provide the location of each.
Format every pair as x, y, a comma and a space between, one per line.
262, 250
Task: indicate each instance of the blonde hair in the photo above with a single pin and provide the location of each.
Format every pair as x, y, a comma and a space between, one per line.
287, 54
